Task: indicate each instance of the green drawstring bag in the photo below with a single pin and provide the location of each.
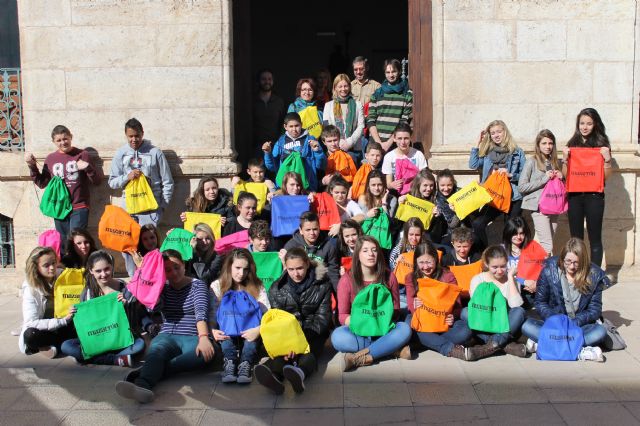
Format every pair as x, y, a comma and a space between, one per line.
293, 163
372, 311
488, 310
268, 267
102, 325
179, 240
56, 202
378, 228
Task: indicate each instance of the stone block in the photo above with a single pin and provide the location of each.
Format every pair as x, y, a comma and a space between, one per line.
600, 40
43, 90
366, 395
541, 41
613, 82
43, 13
478, 41
84, 47
517, 83
242, 416
126, 12
560, 119
523, 414
463, 123
189, 45
101, 130
378, 416
167, 87
595, 414
565, 9
313, 417
466, 10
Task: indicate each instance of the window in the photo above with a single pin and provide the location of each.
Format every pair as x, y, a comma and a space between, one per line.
7, 252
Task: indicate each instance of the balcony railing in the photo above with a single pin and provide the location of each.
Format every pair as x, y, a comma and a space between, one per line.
11, 134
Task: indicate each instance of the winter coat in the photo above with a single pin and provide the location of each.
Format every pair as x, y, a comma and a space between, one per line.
324, 250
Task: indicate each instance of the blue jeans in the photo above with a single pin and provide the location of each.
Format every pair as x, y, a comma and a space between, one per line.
169, 354
516, 318
147, 218
594, 334
343, 340
76, 219
249, 350
458, 333
72, 348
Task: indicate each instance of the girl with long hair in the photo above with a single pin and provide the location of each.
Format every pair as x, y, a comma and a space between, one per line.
210, 198
77, 248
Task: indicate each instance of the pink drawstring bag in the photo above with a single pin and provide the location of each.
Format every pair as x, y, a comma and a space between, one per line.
406, 171
51, 238
149, 279
236, 240
553, 199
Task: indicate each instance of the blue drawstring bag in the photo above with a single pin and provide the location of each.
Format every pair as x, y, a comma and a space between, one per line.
238, 311
285, 213
560, 339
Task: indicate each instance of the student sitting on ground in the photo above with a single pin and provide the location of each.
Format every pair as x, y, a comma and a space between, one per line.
463, 253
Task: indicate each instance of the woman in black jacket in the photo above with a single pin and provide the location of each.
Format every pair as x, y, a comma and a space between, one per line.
304, 290
571, 285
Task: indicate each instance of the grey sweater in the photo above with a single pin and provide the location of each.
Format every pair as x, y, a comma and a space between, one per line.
531, 183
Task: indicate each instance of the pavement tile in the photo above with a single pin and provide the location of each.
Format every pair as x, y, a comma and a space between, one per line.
442, 393
9, 395
579, 390
244, 417
633, 408
234, 396
382, 395
379, 416
97, 418
165, 417
383, 372
47, 398
624, 389
17, 377
543, 414
451, 414
181, 397
103, 398
316, 395
327, 373
595, 414
30, 418
509, 392
309, 417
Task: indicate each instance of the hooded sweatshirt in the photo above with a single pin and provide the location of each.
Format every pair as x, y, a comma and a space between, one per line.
324, 249
313, 160
153, 164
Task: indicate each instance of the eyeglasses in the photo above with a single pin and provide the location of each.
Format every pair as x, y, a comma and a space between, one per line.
427, 263
306, 90
571, 263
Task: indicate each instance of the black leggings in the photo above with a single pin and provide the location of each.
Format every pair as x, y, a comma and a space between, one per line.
589, 205
488, 215
308, 363
34, 339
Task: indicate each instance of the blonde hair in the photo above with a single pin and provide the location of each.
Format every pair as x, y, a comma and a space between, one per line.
487, 144
338, 79
582, 279
34, 279
203, 227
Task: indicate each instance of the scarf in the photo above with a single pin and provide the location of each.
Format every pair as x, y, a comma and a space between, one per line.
298, 288
347, 126
498, 156
400, 88
299, 104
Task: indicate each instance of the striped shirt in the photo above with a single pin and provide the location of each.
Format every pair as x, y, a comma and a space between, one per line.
183, 308
385, 113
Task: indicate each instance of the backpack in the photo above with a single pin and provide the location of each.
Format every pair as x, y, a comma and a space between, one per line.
148, 280
139, 197
327, 210
438, 300
285, 213
293, 163
406, 171
499, 188
56, 201
238, 311
117, 230
613, 341
378, 228
67, 290
560, 339
179, 240
372, 311
553, 199
281, 334
488, 309
51, 238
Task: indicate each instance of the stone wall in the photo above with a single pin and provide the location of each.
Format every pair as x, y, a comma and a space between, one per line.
93, 64
535, 64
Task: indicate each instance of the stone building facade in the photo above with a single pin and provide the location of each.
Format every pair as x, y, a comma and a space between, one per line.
92, 64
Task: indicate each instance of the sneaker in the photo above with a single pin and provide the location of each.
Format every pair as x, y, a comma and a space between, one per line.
229, 371
132, 391
295, 376
123, 361
265, 377
516, 349
244, 372
459, 352
532, 347
49, 352
591, 353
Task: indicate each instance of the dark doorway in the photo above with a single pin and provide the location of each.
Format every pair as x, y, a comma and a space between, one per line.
9, 38
296, 41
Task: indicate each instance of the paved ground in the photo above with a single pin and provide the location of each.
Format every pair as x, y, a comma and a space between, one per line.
430, 389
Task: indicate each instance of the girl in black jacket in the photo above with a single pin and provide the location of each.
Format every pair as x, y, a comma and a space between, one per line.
303, 290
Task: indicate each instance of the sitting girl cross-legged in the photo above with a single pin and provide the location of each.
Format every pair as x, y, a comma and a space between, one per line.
369, 267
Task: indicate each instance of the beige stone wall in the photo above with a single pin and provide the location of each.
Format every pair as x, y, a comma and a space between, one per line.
535, 64
93, 64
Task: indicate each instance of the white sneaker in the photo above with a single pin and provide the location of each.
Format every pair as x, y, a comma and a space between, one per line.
49, 352
591, 353
532, 347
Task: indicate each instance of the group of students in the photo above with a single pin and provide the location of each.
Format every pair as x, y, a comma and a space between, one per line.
327, 269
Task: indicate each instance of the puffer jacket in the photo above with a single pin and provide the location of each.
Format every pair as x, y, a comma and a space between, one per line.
323, 250
550, 300
222, 205
313, 309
